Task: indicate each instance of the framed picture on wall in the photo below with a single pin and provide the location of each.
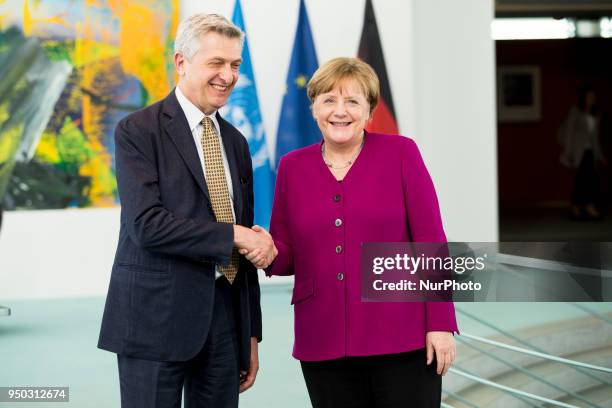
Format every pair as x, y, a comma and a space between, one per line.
518, 93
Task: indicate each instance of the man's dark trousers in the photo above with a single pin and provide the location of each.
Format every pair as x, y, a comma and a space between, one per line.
210, 379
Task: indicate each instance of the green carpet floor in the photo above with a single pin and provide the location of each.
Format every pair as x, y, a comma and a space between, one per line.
53, 343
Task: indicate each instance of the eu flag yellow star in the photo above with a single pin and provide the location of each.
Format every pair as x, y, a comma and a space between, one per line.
301, 81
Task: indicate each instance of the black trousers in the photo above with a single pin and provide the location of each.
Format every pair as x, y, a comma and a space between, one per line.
387, 381
210, 379
585, 183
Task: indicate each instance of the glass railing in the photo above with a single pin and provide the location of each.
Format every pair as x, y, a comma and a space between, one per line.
530, 399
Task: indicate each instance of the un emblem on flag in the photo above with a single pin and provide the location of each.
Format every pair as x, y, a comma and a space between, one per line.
242, 112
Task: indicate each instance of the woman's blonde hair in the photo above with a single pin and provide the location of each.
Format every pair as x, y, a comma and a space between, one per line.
336, 70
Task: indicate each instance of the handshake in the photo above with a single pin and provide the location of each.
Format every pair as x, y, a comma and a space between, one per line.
255, 244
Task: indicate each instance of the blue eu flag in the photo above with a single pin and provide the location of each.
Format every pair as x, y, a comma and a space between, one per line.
242, 111
296, 127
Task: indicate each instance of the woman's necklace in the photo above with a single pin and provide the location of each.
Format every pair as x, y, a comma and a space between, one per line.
348, 163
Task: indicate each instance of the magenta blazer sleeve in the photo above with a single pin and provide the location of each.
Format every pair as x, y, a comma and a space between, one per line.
425, 225
279, 228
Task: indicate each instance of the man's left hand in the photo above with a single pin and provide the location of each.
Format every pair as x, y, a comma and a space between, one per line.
247, 378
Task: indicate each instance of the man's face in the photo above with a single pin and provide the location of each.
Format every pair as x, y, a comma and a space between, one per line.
208, 79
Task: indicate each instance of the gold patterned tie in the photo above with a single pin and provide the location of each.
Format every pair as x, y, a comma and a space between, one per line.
218, 189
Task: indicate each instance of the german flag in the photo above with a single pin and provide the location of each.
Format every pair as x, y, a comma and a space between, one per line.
370, 51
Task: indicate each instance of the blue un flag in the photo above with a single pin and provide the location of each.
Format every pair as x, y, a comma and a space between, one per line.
242, 111
296, 127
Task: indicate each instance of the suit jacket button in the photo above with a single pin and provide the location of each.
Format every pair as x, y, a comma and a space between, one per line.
340, 276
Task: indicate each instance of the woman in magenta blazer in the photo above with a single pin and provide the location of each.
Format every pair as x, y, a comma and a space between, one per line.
357, 187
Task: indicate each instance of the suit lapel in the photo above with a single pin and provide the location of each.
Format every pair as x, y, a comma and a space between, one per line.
178, 130
229, 143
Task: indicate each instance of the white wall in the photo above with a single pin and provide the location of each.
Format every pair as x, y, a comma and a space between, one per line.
441, 67
455, 112
57, 252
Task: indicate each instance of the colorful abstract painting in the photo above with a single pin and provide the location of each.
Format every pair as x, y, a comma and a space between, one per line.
69, 71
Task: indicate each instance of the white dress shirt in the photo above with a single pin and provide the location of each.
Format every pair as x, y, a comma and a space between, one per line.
194, 118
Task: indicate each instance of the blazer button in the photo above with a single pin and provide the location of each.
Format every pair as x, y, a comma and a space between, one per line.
338, 222
339, 249
340, 276
337, 197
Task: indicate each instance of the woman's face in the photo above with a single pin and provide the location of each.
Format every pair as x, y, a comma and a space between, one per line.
342, 113
590, 99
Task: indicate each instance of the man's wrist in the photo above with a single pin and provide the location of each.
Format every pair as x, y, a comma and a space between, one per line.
239, 235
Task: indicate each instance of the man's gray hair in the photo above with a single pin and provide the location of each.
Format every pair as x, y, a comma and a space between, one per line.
192, 28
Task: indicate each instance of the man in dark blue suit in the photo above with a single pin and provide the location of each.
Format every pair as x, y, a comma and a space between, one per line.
183, 311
